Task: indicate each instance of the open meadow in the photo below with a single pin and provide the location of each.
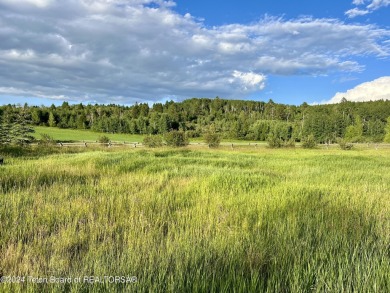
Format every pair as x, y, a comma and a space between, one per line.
196, 219
77, 135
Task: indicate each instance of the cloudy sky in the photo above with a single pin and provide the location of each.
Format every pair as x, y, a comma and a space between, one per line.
123, 51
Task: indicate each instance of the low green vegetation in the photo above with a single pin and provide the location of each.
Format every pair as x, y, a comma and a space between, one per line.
46, 140
153, 141
309, 142
176, 138
248, 217
103, 139
196, 220
65, 135
345, 145
212, 138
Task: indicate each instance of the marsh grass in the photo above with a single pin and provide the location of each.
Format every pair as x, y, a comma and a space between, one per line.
197, 220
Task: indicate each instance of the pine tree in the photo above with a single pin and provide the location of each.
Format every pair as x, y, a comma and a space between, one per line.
52, 120
17, 132
21, 130
5, 130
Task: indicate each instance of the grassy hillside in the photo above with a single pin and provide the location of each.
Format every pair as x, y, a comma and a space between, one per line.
198, 220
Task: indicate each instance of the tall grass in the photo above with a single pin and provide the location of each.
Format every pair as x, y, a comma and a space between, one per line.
198, 220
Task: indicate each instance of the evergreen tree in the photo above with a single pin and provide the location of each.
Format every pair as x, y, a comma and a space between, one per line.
17, 132
21, 129
52, 121
5, 132
164, 124
36, 116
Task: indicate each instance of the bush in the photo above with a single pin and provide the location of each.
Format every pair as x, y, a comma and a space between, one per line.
277, 142
274, 141
192, 133
309, 142
289, 143
212, 138
376, 138
103, 139
176, 138
344, 145
46, 140
153, 141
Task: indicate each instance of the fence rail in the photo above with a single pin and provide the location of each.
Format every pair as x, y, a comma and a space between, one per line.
223, 144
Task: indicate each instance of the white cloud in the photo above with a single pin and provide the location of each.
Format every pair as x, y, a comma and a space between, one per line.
358, 2
128, 50
356, 12
371, 6
250, 81
378, 89
376, 4
37, 3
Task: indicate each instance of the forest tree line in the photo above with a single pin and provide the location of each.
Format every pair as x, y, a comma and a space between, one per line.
234, 119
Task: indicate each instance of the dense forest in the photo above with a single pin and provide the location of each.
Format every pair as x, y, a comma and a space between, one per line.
235, 119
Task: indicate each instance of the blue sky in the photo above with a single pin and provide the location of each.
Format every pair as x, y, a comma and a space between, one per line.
126, 51
297, 88
219, 12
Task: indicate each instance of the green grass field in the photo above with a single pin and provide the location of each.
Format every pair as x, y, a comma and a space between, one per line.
197, 220
83, 135
76, 135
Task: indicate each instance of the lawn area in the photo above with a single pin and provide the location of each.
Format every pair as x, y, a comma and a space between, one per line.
197, 220
61, 134
83, 135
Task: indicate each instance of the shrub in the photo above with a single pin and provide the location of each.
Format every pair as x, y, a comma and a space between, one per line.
103, 139
212, 138
289, 143
46, 140
376, 138
274, 141
192, 133
344, 145
277, 142
176, 138
152, 141
309, 142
